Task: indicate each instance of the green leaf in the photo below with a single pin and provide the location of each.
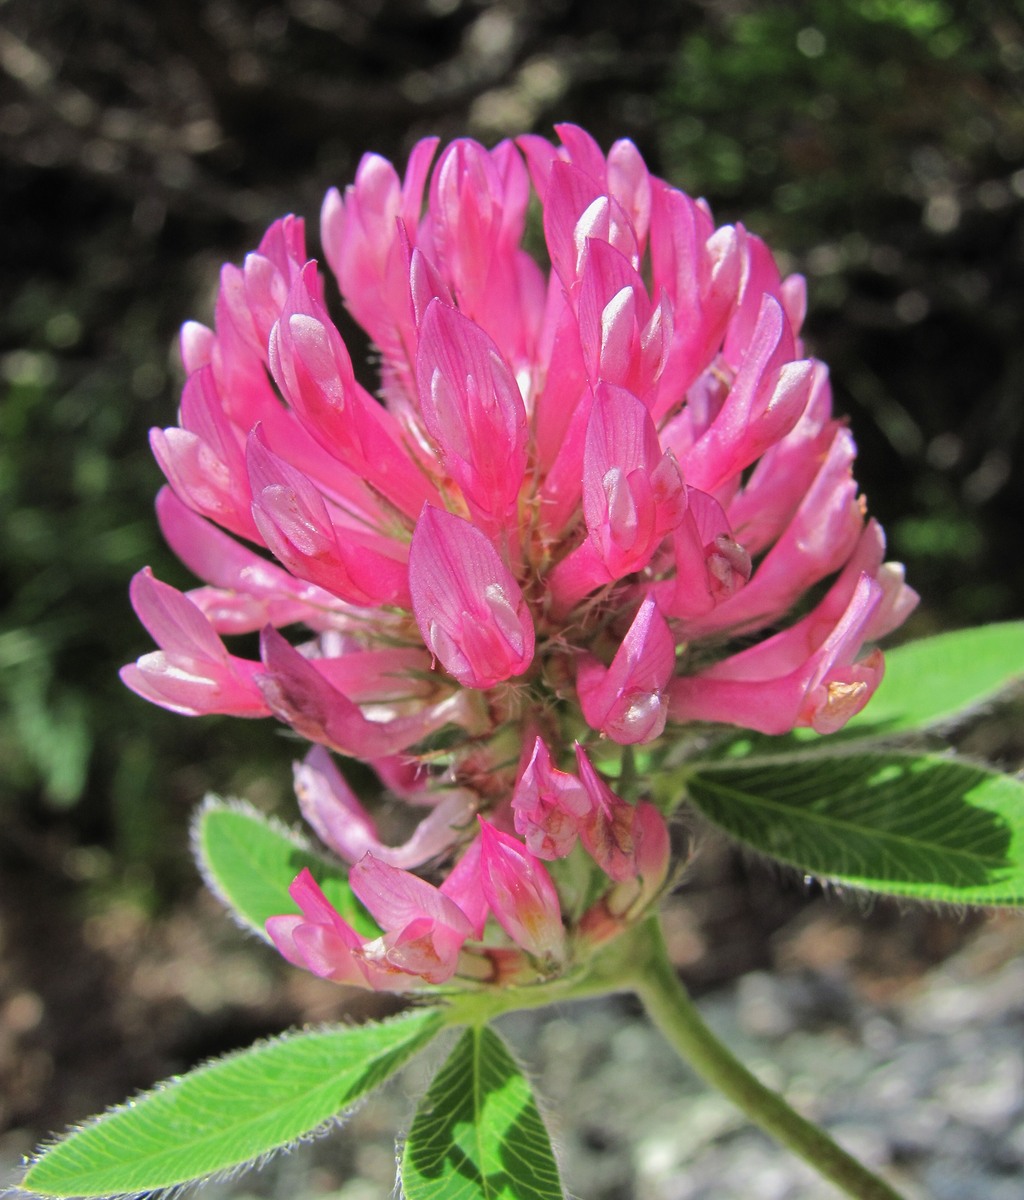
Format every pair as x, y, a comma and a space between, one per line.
478, 1134
230, 1111
939, 678
922, 826
249, 861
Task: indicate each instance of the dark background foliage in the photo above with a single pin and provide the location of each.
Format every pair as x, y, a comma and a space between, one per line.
878, 145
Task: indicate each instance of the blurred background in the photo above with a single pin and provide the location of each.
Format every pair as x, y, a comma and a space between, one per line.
877, 145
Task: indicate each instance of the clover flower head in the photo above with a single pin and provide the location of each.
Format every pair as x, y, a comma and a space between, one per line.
591, 502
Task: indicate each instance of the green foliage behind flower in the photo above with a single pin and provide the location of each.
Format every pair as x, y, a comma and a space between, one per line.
882, 143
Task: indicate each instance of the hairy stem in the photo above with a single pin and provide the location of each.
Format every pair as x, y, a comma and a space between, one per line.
671, 1009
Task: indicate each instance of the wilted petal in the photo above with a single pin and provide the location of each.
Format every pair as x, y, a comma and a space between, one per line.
549, 805
342, 823
520, 894
609, 831
652, 855
792, 679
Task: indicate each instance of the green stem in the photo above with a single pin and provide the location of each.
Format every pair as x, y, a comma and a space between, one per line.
671, 1009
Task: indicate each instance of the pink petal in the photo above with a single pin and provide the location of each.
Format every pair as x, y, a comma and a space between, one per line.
625, 700
313, 369
467, 604
520, 894
295, 523
196, 343
298, 694
549, 806
624, 337
472, 407
761, 688
249, 591
366, 253
193, 672
817, 541
331, 807
767, 396
320, 940
632, 494
577, 207
710, 565
699, 269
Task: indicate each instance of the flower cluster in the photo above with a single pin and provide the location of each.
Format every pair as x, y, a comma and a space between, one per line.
582, 510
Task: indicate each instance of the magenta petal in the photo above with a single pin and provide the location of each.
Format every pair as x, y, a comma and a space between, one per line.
767, 396
395, 898
298, 694
632, 494
804, 676
294, 520
472, 406
192, 673
625, 701
467, 604
226, 563
312, 367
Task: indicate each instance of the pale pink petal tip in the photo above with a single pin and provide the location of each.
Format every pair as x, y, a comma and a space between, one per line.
192, 672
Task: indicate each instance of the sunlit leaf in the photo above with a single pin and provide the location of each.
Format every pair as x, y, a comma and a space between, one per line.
249, 861
478, 1134
230, 1111
922, 826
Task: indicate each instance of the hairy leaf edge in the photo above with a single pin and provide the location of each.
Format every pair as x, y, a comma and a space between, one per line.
214, 803
862, 895
19, 1191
